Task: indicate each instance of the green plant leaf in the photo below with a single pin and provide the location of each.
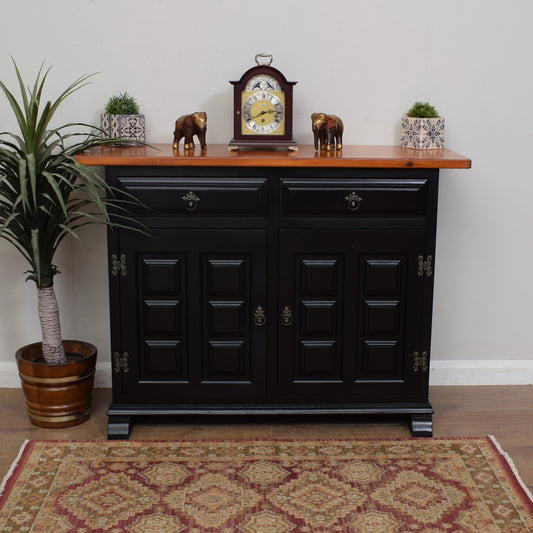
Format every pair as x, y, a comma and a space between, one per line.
19, 115
30, 166
22, 172
57, 190
36, 258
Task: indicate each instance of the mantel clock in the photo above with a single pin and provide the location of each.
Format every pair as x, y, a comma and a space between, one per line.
262, 108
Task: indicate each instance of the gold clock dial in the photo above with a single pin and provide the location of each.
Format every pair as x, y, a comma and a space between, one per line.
263, 113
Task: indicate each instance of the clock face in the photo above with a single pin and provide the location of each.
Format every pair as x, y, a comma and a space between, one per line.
263, 112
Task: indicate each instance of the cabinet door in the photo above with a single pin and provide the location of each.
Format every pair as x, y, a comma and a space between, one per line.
187, 316
350, 312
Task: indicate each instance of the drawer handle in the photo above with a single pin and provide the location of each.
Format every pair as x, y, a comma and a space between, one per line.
191, 201
259, 316
286, 316
354, 201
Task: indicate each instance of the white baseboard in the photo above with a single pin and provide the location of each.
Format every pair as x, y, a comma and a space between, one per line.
453, 372
482, 372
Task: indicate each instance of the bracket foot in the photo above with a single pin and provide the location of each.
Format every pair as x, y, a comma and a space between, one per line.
421, 425
118, 427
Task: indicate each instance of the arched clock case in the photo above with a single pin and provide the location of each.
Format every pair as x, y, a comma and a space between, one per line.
263, 109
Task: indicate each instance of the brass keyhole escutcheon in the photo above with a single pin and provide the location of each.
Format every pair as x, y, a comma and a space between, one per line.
354, 201
191, 201
259, 316
286, 316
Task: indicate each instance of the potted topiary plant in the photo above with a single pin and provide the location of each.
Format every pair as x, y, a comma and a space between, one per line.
45, 196
122, 118
422, 127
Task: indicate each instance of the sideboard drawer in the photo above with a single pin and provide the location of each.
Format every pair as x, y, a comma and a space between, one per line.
353, 197
200, 196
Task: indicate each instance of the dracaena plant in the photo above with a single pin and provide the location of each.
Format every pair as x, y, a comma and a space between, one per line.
47, 195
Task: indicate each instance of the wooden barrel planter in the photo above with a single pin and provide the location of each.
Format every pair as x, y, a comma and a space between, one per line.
58, 396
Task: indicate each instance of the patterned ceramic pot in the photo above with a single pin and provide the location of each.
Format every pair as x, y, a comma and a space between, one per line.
422, 133
124, 126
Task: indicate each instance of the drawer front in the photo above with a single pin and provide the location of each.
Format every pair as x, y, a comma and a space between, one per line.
199, 196
353, 197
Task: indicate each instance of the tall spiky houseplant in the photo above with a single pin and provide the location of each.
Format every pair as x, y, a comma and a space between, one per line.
45, 194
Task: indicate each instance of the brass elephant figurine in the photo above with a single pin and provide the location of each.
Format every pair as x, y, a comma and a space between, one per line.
328, 129
189, 125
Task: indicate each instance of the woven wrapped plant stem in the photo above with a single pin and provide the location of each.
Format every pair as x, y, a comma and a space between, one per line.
53, 351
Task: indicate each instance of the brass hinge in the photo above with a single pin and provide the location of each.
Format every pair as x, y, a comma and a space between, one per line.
120, 362
420, 362
118, 265
425, 266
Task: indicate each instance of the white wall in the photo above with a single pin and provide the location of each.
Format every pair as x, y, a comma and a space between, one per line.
366, 61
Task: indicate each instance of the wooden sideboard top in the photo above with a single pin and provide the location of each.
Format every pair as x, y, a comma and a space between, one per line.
217, 155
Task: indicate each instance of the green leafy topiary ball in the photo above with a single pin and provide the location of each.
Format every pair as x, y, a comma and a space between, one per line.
422, 110
123, 104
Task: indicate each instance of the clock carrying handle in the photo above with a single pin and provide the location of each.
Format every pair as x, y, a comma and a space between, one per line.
260, 59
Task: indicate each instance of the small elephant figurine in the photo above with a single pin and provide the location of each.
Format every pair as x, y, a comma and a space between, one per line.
328, 129
189, 125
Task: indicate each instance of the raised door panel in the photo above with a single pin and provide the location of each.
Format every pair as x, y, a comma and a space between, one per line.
383, 308
354, 298
187, 308
162, 315
311, 294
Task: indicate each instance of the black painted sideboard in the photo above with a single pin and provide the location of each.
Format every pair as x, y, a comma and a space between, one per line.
273, 282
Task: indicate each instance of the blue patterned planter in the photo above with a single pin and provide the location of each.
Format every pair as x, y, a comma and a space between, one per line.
422, 133
124, 126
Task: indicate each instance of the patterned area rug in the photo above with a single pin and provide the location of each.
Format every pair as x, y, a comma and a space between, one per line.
260, 486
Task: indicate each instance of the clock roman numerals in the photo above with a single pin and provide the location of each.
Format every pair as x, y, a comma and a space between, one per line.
263, 113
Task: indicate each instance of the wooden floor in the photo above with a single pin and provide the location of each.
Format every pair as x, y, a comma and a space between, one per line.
503, 411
